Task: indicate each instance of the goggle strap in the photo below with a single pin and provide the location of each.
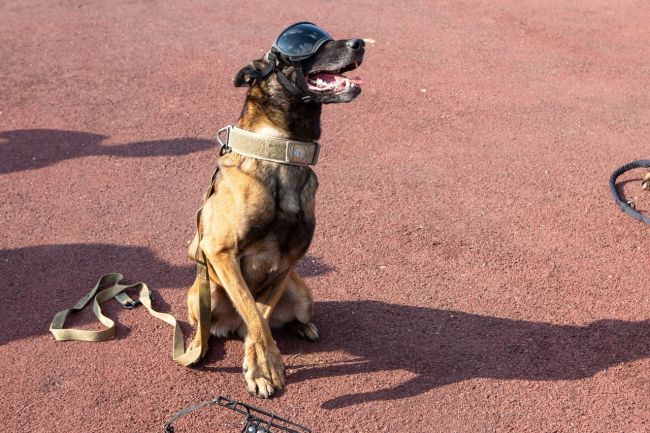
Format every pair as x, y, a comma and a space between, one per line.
300, 81
289, 85
299, 88
269, 66
300, 77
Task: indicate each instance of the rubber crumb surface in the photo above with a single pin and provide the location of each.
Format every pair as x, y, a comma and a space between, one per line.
471, 271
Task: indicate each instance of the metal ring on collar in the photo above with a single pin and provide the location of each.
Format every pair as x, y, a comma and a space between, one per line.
225, 147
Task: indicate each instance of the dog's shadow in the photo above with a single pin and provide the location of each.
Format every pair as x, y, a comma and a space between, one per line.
441, 347
38, 281
28, 149
438, 347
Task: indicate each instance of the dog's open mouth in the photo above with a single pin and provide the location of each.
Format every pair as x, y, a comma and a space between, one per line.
333, 81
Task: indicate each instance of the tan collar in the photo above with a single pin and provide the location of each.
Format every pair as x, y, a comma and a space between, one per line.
268, 148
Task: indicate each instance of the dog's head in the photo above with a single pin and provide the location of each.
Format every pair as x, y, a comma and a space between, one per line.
323, 74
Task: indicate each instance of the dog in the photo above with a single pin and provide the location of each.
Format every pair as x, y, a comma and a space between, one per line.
260, 219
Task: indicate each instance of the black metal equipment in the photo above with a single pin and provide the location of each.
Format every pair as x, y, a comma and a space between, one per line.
256, 420
623, 205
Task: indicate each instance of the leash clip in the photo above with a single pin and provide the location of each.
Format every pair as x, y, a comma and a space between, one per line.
225, 147
131, 305
136, 302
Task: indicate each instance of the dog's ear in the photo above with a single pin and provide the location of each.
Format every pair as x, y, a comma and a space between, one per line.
251, 73
246, 76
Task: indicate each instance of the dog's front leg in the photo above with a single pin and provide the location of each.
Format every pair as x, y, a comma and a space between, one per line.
267, 305
263, 368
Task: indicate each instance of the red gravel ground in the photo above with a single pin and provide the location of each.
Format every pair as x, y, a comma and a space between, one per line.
471, 271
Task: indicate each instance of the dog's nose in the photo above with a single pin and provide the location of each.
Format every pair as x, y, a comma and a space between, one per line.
355, 44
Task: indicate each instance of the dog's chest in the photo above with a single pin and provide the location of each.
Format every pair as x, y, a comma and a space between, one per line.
286, 236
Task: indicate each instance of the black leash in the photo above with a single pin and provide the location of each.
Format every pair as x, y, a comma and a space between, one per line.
256, 420
623, 205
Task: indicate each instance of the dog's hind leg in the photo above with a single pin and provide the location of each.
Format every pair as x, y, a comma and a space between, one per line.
297, 309
271, 300
267, 304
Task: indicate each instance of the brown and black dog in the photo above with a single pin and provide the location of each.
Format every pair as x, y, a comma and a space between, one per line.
260, 219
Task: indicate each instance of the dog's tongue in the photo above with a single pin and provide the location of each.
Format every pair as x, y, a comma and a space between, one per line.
328, 81
338, 79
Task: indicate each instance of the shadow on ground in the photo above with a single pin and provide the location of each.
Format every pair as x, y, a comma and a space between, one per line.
28, 149
437, 347
312, 266
38, 281
441, 347
41, 280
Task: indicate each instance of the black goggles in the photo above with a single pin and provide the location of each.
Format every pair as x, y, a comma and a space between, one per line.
301, 40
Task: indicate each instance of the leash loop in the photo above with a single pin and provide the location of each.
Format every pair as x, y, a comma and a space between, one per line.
108, 287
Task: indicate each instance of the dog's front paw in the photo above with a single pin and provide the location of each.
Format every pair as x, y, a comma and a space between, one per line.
646, 182
263, 369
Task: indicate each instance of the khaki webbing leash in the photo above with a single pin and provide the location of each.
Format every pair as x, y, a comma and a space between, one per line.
116, 290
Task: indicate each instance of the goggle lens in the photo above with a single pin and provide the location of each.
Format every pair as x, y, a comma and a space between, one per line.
301, 40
